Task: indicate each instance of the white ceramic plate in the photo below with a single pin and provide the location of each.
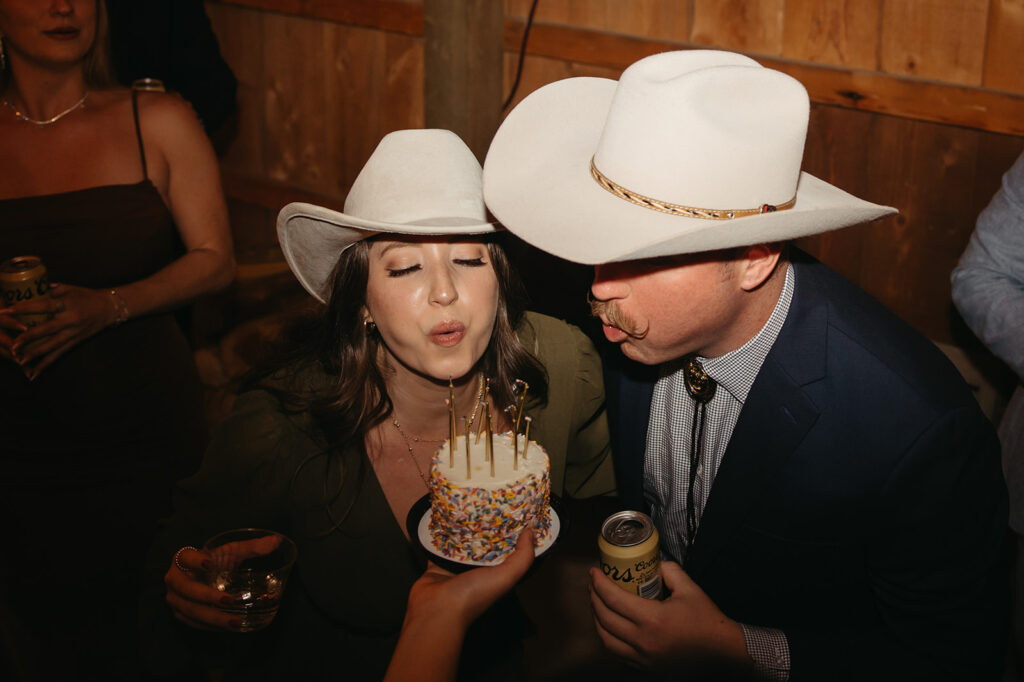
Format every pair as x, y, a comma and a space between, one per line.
428, 542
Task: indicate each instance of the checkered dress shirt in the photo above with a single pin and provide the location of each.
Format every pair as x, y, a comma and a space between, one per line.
667, 461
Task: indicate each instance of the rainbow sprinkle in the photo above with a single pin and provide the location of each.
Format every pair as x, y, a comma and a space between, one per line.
482, 524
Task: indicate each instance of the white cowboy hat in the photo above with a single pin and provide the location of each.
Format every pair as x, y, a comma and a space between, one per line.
415, 182
688, 151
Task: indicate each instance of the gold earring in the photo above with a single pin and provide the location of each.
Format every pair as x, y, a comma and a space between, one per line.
369, 325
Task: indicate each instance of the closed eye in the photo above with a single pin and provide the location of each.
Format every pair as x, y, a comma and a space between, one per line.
402, 271
470, 262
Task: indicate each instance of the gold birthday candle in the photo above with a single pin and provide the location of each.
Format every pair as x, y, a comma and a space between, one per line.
526, 436
469, 472
479, 432
511, 412
451, 433
490, 440
522, 403
451, 423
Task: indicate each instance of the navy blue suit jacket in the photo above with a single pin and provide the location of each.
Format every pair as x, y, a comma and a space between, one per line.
860, 505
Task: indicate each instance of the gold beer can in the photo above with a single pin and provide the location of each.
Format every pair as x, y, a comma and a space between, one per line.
629, 553
24, 278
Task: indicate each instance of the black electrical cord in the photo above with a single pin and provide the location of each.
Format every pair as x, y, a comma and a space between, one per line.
522, 54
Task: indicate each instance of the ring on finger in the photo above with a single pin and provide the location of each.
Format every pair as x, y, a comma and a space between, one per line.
60, 307
177, 559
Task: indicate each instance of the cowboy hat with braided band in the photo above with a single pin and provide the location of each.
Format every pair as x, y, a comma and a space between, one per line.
416, 182
688, 151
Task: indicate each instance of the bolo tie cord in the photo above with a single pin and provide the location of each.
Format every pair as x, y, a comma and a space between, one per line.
696, 438
701, 388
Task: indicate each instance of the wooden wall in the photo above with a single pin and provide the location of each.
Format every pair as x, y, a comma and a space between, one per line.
917, 104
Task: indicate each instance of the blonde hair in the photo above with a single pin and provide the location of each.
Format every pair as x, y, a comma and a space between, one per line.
98, 70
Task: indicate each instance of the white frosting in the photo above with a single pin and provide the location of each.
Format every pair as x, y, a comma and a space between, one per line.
505, 470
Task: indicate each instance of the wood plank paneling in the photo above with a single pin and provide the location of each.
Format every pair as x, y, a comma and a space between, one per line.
812, 35
910, 98
865, 90
461, 62
744, 25
272, 195
539, 71
835, 151
386, 15
318, 96
939, 177
664, 19
354, 91
837, 32
295, 123
238, 30
517, 8
585, 13
402, 101
927, 171
935, 39
1004, 54
581, 45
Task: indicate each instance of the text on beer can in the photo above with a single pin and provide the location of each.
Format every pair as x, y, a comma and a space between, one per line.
629, 553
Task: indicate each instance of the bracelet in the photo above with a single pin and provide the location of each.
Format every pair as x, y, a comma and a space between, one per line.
121, 308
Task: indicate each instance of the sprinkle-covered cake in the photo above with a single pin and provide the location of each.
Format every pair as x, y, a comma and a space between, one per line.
479, 517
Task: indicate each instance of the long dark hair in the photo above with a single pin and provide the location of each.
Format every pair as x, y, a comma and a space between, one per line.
354, 399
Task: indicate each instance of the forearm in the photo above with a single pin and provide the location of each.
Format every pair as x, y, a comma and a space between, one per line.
993, 307
200, 271
428, 649
988, 282
988, 290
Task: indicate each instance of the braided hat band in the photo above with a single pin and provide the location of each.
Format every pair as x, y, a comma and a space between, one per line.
679, 209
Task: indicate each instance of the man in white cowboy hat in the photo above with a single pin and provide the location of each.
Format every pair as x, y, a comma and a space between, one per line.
825, 486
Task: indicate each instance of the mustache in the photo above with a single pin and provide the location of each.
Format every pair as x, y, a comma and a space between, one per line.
614, 316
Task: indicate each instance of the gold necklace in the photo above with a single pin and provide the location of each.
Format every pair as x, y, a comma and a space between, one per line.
409, 440
411, 455
29, 119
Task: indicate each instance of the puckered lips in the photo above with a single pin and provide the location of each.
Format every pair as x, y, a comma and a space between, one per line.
62, 33
447, 334
613, 333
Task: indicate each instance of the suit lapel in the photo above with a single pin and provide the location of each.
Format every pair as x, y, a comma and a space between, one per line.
775, 418
771, 425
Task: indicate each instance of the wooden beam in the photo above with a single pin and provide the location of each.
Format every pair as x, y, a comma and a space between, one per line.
463, 61
386, 15
906, 97
273, 195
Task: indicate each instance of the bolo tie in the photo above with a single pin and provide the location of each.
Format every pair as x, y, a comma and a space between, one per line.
701, 388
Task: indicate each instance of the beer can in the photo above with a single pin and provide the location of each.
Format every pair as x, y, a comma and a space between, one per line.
629, 553
24, 278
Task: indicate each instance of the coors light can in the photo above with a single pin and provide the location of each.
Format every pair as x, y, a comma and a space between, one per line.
24, 278
629, 553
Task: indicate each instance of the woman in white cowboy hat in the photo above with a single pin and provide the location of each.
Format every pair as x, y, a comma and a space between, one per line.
334, 449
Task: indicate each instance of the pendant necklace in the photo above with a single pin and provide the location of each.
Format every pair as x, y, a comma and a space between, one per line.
28, 119
409, 440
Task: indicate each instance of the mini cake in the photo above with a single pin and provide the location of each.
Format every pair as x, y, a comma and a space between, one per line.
479, 517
